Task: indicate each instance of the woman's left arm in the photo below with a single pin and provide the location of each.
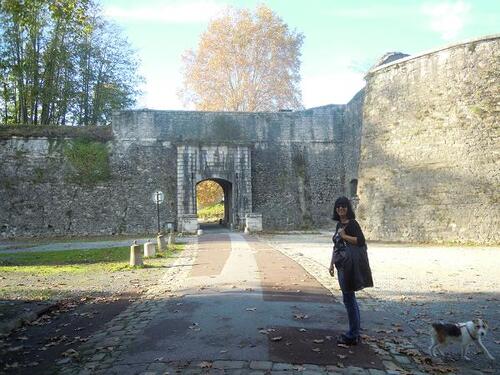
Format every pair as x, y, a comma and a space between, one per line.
351, 239
355, 236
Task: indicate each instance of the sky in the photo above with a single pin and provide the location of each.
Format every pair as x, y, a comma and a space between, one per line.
342, 38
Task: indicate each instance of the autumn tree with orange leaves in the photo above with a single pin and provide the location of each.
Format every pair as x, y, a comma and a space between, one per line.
245, 61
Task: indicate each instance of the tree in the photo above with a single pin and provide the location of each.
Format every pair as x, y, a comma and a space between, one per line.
61, 63
244, 62
208, 192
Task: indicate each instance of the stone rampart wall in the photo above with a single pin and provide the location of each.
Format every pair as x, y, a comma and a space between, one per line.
38, 198
296, 157
430, 163
296, 171
422, 140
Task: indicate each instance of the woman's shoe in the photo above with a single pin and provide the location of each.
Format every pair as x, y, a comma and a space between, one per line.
350, 341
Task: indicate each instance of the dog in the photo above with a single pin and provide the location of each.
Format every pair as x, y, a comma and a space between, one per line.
465, 333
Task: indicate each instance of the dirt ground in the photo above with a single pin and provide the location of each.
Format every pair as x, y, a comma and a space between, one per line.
70, 308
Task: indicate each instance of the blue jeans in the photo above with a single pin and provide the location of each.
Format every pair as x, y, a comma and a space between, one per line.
351, 305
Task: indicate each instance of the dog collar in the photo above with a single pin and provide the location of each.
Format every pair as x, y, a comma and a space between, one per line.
470, 334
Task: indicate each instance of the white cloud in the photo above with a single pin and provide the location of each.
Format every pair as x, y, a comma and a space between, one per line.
332, 88
447, 18
371, 11
173, 12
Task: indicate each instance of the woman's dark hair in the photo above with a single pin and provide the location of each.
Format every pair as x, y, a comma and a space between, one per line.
344, 202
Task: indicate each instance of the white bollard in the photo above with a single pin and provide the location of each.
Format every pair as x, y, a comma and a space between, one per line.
149, 249
160, 240
135, 255
171, 239
199, 232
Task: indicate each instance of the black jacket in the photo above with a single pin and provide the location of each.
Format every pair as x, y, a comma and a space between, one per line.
356, 269
351, 261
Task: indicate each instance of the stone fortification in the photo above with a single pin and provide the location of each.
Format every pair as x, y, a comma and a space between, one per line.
295, 159
430, 162
419, 145
287, 166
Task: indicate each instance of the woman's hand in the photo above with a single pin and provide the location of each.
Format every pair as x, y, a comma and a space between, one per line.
332, 271
352, 240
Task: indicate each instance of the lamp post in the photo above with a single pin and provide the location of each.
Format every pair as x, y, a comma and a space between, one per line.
158, 197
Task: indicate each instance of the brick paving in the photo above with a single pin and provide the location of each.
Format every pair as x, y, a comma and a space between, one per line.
109, 351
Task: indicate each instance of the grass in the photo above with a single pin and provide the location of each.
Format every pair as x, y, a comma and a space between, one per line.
21, 243
212, 213
73, 261
97, 133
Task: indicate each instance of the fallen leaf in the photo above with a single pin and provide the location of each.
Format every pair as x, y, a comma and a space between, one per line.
317, 350
205, 364
319, 341
277, 338
70, 353
341, 356
251, 309
343, 346
300, 316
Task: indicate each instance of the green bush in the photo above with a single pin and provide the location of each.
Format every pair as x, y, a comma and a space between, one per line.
89, 161
212, 213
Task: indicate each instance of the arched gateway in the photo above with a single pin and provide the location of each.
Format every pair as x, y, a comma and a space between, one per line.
279, 170
230, 166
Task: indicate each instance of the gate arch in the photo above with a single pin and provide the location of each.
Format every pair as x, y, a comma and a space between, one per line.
231, 165
227, 189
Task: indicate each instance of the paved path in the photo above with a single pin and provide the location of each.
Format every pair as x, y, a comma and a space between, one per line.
238, 305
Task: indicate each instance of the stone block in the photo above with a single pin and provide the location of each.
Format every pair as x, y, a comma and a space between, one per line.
149, 249
261, 365
282, 367
253, 222
187, 223
171, 239
160, 243
136, 255
228, 364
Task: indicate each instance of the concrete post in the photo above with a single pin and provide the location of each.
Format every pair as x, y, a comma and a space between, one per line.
135, 255
160, 240
149, 249
171, 239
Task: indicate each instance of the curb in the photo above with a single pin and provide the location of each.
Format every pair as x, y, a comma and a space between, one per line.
27, 317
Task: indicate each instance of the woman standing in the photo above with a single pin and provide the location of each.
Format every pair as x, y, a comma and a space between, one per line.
351, 260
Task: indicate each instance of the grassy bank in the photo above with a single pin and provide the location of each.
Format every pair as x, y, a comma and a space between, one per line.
211, 213
73, 261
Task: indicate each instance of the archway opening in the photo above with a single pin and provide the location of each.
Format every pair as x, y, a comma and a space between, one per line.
213, 202
353, 187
